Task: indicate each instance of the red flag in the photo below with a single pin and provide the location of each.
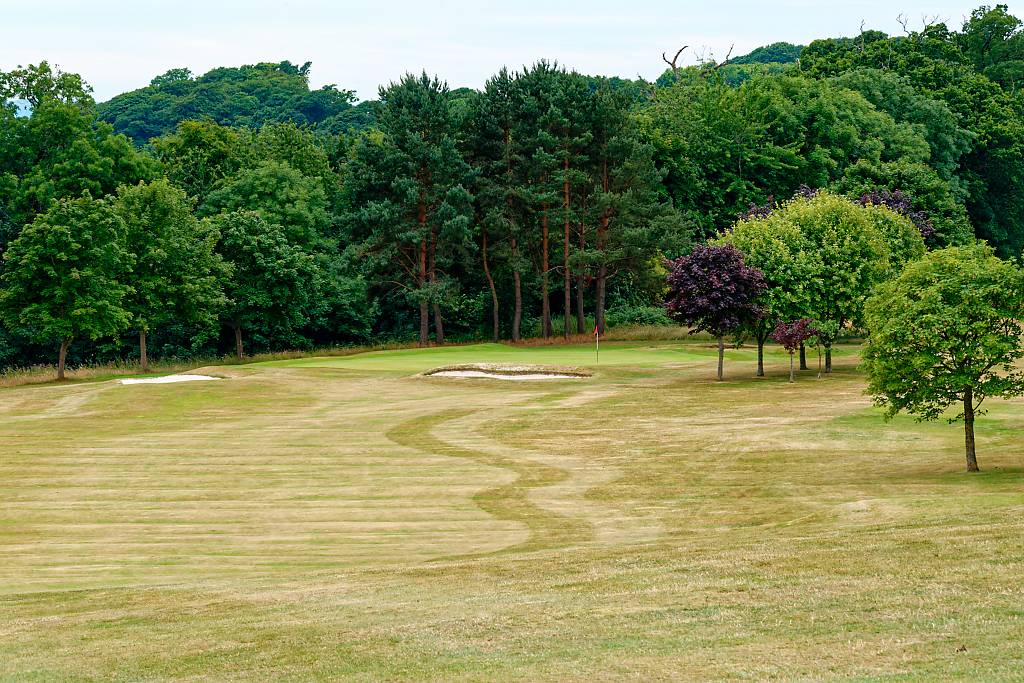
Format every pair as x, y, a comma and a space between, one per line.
595, 330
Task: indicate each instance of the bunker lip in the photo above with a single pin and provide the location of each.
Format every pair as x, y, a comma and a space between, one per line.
169, 379
507, 372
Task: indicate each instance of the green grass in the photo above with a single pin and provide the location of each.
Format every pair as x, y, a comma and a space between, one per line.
636, 354
339, 518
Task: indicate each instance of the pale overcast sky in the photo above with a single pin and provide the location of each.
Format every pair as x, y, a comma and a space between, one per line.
118, 45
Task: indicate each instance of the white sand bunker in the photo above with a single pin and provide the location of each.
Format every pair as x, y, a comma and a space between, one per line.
169, 379
515, 373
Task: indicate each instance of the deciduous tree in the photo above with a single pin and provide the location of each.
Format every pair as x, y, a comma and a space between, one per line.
271, 283
64, 275
712, 289
792, 335
177, 274
781, 252
947, 332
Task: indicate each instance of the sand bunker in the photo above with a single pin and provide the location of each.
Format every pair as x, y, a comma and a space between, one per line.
492, 375
515, 373
168, 379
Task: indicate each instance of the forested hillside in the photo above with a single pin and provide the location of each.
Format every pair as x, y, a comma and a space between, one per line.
240, 211
251, 95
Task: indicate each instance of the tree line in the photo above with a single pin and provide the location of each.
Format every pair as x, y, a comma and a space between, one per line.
241, 210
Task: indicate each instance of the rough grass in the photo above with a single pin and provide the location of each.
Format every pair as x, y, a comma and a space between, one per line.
338, 518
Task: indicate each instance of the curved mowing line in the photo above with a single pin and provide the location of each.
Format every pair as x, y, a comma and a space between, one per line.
509, 501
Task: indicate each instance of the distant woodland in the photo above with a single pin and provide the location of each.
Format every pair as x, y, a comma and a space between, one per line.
240, 211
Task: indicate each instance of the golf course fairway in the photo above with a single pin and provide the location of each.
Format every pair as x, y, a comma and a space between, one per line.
342, 517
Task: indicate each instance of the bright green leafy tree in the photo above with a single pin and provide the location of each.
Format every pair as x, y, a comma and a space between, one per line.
281, 195
947, 332
272, 283
177, 273
63, 276
777, 248
848, 255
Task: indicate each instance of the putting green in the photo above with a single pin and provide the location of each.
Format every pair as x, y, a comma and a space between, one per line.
631, 354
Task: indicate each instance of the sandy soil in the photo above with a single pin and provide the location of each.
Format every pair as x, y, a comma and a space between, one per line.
494, 375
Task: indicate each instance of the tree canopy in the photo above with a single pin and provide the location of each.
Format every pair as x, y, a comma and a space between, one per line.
64, 275
250, 95
947, 332
543, 201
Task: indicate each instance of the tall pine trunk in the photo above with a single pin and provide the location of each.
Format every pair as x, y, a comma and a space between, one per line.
496, 321
62, 356
143, 356
580, 317
566, 275
438, 322
424, 308
828, 358
581, 285
239, 351
602, 271
545, 265
517, 289
803, 356
972, 457
517, 280
721, 357
424, 322
602, 280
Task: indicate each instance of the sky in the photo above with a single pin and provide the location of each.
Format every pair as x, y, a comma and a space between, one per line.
359, 45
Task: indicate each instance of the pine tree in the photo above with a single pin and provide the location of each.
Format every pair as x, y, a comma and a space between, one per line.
537, 87
630, 215
410, 211
495, 151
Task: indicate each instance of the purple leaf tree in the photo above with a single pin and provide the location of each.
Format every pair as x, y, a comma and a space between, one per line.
713, 290
903, 204
792, 335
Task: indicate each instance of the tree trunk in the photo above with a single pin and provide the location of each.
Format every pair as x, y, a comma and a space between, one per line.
972, 458
761, 338
496, 333
143, 356
790, 367
424, 308
239, 351
602, 242
517, 287
581, 285
545, 264
424, 322
721, 357
581, 322
438, 324
803, 356
62, 357
828, 359
517, 314
566, 275
424, 274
